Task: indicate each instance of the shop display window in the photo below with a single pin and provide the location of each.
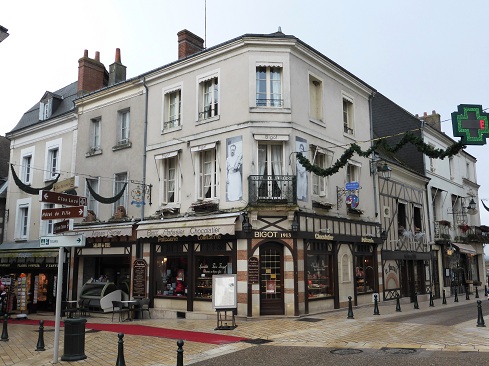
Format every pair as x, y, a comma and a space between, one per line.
364, 273
206, 267
320, 282
171, 276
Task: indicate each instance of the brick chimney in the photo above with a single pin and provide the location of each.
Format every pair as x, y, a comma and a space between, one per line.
117, 71
433, 119
188, 44
92, 74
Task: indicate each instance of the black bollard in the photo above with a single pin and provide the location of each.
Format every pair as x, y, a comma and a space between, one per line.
416, 305
376, 305
432, 304
398, 304
480, 319
180, 352
467, 293
444, 301
476, 292
350, 309
40, 339
456, 296
120, 351
4, 336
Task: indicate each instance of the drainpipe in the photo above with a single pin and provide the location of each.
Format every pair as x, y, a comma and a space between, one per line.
374, 175
139, 249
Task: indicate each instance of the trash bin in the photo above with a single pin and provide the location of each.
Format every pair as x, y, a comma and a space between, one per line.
74, 342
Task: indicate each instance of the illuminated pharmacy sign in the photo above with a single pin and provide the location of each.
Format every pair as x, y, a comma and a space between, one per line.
471, 124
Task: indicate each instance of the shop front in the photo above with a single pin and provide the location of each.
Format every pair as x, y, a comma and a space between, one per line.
106, 257
184, 254
406, 273
30, 276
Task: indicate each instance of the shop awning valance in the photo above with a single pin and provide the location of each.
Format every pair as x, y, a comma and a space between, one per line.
27, 249
465, 248
205, 226
104, 231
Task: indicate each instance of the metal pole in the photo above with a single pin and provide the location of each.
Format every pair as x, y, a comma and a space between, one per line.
59, 286
180, 352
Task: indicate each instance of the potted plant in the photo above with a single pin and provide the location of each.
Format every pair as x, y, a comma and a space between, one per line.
445, 223
464, 228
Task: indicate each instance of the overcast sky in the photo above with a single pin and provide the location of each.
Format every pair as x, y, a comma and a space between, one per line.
422, 54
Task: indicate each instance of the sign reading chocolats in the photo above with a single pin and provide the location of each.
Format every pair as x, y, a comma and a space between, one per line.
139, 278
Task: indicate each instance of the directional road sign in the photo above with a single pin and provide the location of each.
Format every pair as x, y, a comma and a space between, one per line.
62, 226
64, 213
62, 241
62, 199
67, 184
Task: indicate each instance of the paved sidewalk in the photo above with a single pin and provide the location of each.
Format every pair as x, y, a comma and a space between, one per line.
330, 329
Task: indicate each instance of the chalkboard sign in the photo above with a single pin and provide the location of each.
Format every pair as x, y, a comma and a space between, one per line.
224, 291
253, 270
139, 278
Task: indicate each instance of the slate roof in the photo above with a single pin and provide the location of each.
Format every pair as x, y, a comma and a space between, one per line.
390, 119
31, 117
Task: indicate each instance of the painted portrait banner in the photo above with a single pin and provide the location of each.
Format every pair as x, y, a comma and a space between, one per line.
302, 175
234, 169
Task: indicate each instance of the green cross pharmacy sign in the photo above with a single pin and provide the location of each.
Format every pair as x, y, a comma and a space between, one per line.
471, 124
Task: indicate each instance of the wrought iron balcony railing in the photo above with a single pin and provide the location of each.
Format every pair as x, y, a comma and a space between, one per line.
272, 189
269, 102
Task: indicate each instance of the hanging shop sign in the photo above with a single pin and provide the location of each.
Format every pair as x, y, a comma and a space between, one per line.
471, 124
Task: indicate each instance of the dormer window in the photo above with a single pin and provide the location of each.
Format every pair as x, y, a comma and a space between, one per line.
48, 105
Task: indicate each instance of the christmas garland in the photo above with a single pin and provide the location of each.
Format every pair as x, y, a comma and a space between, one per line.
27, 188
381, 143
483, 204
105, 199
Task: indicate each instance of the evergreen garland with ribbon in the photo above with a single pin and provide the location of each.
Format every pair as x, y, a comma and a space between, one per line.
27, 188
107, 200
381, 143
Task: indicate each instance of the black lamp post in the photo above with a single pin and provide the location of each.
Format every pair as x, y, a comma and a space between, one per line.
245, 225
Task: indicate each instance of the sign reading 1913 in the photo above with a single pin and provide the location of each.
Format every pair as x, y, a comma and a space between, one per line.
471, 124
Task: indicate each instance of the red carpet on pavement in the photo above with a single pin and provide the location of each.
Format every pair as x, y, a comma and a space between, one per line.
144, 330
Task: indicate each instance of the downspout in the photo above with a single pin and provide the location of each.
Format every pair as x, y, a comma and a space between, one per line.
139, 249
374, 175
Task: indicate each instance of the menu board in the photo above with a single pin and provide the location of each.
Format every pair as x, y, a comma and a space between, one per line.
139, 278
253, 270
224, 294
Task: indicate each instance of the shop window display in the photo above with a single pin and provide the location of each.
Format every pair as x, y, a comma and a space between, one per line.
319, 276
364, 273
171, 276
207, 266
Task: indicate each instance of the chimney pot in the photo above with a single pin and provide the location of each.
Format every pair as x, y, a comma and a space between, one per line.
188, 44
433, 112
97, 56
118, 55
425, 114
85, 53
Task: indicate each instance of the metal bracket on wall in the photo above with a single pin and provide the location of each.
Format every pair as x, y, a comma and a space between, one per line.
343, 192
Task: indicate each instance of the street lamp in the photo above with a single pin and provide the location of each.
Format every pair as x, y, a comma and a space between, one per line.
3, 33
472, 204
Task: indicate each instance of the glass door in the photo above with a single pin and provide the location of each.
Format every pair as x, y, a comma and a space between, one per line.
271, 279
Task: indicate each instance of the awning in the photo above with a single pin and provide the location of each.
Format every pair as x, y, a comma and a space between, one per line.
103, 230
27, 249
465, 248
188, 226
